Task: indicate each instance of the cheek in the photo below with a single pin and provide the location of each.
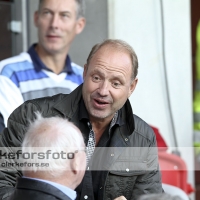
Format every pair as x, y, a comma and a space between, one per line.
43, 24
91, 86
121, 93
120, 96
41, 29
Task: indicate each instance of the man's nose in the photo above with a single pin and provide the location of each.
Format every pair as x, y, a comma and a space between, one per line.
55, 21
104, 88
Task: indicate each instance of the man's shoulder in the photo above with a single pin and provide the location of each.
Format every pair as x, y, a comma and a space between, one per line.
46, 102
58, 104
77, 69
17, 63
143, 129
25, 112
42, 190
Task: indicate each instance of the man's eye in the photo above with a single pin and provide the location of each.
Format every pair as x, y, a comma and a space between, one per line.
65, 15
46, 13
96, 78
116, 84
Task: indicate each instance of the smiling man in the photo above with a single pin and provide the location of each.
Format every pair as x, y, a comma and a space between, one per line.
101, 110
46, 69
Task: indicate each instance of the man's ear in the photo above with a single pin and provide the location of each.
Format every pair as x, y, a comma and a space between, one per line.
80, 24
74, 166
85, 71
36, 16
132, 86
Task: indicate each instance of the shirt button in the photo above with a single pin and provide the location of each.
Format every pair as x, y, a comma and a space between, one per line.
90, 139
85, 197
88, 168
127, 170
112, 154
126, 139
100, 188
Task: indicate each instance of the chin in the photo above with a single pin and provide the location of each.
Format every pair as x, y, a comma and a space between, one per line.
53, 50
100, 116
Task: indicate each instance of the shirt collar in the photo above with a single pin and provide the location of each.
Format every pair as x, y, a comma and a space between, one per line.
83, 114
69, 192
39, 65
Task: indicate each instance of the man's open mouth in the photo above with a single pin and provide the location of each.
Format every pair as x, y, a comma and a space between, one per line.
100, 102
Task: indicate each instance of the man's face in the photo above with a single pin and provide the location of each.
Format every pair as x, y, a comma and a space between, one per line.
57, 25
107, 83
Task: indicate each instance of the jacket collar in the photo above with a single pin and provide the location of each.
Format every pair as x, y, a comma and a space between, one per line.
24, 183
70, 103
39, 65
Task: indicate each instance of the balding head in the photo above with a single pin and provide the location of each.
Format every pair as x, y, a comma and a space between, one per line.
117, 45
61, 145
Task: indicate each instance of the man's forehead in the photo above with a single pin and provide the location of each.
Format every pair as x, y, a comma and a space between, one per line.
107, 50
63, 5
109, 59
67, 1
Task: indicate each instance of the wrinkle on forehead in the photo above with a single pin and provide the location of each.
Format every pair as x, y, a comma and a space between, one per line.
112, 61
110, 68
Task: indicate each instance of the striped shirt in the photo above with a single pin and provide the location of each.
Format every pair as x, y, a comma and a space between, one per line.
25, 77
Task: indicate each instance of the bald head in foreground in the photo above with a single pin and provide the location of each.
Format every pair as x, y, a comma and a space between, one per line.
62, 145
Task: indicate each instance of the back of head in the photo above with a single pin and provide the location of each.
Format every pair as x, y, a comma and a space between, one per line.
48, 140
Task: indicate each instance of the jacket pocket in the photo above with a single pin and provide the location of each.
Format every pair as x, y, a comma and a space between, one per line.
129, 167
122, 177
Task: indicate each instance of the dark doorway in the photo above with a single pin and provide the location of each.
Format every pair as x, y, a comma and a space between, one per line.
6, 34
195, 17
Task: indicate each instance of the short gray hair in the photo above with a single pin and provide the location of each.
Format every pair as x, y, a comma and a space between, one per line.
121, 46
55, 134
80, 7
162, 196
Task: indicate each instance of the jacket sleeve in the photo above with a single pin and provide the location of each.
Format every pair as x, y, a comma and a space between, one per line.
149, 182
10, 97
12, 136
2, 126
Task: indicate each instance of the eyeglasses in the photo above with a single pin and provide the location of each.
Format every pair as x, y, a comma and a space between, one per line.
71, 155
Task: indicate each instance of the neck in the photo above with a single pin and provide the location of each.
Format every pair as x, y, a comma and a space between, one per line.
66, 182
54, 61
99, 126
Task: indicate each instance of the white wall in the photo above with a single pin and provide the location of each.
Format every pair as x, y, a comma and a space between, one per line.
139, 23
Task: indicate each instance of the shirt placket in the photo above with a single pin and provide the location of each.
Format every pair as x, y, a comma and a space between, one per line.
87, 186
91, 143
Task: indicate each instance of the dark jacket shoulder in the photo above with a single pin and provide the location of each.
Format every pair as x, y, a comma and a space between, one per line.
143, 129
33, 190
43, 105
